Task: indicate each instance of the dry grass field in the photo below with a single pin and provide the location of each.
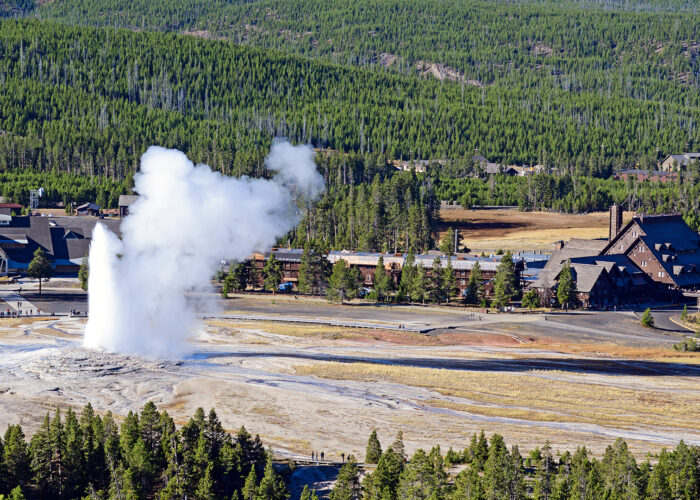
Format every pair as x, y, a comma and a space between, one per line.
542, 396
514, 230
317, 387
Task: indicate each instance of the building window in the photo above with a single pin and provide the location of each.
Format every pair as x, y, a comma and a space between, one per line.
462, 282
635, 234
644, 263
662, 274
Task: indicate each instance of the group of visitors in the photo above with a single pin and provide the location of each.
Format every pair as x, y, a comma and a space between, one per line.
315, 456
19, 312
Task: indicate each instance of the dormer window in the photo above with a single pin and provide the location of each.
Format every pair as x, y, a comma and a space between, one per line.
70, 235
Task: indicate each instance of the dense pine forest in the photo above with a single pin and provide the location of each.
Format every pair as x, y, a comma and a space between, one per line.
495, 472
195, 92
86, 455
582, 87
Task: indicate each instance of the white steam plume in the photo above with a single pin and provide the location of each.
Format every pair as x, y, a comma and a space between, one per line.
185, 221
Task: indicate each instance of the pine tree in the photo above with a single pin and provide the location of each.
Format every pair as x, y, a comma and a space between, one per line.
564, 480
449, 281
240, 277
40, 267
469, 485
619, 471
16, 469
407, 272
84, 273
421, 478
305, 280
496, 469
475, 289
338, 286
205, 487
75, 464
272, 273
565, 287
436, 285
57, 443
531, 300
41, 459
251, 485
374, 449
479, 450
647, 319
382, 280
419, 285
580, 470
447, 244
515, 475
386, 476
226, 287
544, 483
347, 485
271, 486
398, 445
308, 494
150, 431
505, 282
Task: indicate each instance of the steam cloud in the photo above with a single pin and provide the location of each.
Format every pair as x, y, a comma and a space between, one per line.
187, 219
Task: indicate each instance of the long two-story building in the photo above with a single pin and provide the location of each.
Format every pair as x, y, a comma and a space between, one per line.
366, 262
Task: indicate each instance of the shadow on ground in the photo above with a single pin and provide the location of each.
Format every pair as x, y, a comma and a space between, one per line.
576, 365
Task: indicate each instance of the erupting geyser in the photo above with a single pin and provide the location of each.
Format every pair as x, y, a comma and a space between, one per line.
186, 220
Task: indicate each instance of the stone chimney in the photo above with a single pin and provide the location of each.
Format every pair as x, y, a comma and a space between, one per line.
615, 220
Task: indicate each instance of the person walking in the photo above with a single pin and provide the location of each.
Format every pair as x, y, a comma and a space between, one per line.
322, 456
342, 456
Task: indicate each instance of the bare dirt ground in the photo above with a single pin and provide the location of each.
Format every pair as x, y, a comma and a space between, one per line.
514, 230
324, 388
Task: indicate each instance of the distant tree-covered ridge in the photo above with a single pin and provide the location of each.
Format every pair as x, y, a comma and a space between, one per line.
91, 100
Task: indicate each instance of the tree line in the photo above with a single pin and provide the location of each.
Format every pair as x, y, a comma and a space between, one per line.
572, 192
340, 281
494, 472
85, 455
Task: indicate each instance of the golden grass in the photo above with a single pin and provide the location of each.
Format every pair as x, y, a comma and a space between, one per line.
667, 355
532, 397
536, 239
290, 329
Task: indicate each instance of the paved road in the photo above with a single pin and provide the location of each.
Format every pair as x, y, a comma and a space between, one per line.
13, 302
618, 327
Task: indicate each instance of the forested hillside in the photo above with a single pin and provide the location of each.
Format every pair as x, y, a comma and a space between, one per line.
582, 87
222, 103
643, 50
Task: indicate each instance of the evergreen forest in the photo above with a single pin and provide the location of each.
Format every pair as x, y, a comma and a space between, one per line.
584, 88
84, 455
